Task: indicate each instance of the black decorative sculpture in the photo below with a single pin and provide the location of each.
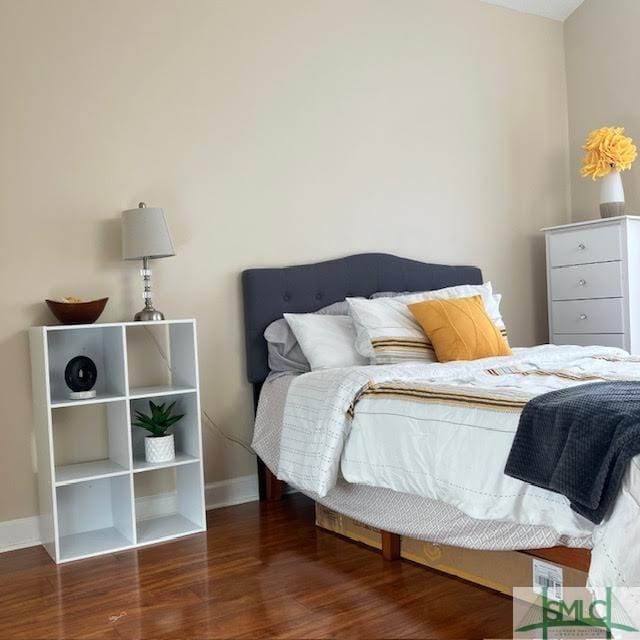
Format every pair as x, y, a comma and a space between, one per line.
81, 374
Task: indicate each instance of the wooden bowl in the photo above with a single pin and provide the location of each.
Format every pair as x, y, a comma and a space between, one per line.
77, 312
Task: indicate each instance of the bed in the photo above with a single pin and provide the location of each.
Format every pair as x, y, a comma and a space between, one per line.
385, 503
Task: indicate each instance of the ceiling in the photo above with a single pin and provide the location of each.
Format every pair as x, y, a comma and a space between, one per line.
554, 9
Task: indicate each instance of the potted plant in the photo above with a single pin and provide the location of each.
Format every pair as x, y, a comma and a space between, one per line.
159, 446
608, 152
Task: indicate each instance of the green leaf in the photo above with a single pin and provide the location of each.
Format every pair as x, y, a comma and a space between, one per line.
144, 419
160, 419
173, 420
143, 426
155, 412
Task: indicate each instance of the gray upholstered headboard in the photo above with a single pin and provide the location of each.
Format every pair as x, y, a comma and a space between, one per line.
268, 293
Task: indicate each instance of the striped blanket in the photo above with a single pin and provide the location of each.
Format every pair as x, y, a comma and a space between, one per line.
321, 405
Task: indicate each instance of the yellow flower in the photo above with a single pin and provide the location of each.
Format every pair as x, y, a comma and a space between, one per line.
608, 149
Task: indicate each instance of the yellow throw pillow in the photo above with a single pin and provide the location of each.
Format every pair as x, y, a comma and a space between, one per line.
460, 329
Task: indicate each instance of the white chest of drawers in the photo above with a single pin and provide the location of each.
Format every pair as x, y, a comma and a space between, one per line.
593, 283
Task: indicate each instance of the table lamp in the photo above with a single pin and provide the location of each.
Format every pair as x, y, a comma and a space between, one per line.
145, 236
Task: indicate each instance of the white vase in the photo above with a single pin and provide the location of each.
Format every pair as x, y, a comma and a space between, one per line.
611, 195
159, 449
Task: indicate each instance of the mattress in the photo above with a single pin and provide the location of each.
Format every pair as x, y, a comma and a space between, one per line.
409, 515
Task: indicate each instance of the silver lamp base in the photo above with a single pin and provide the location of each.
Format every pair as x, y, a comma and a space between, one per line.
148, 315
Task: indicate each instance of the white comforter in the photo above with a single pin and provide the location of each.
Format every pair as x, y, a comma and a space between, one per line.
456, 453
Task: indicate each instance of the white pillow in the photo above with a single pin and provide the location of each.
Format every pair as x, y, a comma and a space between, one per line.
387, 332
283, 349
328, 342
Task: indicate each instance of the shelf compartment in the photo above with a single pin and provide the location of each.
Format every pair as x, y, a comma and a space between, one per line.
186, 432
140, 466
182, 509
83, 471
91, 442
159, 391
92, 543
94, 517
161, 357
104, 345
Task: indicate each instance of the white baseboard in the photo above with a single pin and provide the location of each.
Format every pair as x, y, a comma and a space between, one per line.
226, 493
25, 532
18, 534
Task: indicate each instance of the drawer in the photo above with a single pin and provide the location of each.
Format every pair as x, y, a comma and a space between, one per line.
591, 339
586, 281
588, 316
581, 246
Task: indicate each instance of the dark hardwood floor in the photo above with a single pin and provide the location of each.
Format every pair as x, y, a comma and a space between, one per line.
261, 570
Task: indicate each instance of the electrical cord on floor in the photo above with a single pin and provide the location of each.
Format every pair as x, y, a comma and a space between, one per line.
213, 427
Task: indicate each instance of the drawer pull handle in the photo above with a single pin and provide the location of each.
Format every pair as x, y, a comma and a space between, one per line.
583, 316
582, 283
582, 247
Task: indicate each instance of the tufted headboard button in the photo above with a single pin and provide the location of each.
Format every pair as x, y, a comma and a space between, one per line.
318, 296
286, 297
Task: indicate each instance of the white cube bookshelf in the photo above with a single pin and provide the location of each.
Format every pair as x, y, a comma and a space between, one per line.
88, 504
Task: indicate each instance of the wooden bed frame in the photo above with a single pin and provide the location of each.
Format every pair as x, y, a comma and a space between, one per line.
578, 559
268, 293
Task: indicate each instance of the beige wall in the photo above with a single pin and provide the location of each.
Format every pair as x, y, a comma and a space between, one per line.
272, 133
602, 52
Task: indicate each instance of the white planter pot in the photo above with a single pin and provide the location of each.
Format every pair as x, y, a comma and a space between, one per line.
159, 449
611, 195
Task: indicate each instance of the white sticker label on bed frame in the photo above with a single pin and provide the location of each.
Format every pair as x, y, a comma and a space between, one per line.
547, 575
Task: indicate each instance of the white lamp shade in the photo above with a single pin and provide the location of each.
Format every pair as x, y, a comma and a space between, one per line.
145, 234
